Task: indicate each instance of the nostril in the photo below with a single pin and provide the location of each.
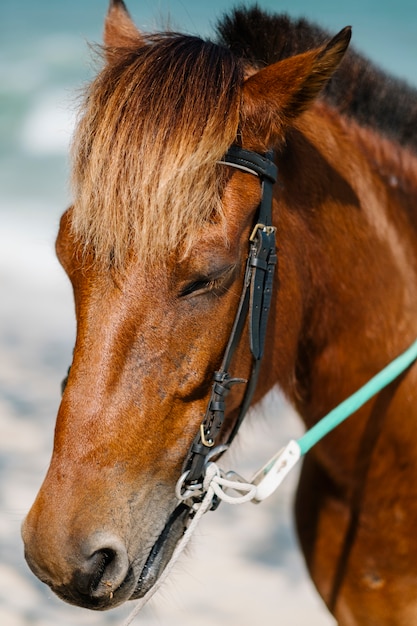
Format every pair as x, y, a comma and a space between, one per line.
105, 568
102, 563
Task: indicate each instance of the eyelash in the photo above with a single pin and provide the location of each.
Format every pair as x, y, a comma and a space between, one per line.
203, 285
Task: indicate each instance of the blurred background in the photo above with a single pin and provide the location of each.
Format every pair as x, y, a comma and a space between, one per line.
244, 567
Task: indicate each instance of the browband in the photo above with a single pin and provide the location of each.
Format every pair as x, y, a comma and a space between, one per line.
261, 165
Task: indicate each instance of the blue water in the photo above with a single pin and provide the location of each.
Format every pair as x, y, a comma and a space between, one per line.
44, 60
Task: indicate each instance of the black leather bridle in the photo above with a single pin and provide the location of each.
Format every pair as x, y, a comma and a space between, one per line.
254, 302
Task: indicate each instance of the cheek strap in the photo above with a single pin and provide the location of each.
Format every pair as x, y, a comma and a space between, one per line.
254, 306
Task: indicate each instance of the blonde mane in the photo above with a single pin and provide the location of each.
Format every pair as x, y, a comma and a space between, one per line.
155, 122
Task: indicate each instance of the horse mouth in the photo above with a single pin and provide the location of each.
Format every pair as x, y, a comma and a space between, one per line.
162, 550
156, 562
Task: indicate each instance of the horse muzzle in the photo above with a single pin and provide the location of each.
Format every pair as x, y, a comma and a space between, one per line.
102, 574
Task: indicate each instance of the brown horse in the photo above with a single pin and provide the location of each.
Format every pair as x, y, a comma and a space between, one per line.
155, 245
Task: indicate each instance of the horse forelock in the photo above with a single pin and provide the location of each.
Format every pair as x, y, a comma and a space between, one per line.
155, 122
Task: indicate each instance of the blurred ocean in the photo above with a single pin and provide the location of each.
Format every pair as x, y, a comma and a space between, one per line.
44, 62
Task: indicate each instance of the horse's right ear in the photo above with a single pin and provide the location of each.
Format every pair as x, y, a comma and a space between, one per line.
275, 96
119, 30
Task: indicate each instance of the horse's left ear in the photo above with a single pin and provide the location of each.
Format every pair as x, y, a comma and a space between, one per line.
274, 96
119, 30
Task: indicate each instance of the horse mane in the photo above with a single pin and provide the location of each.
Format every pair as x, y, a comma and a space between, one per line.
358, 88
159, 116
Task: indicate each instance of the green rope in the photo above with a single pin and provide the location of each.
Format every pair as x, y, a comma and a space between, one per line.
355, 401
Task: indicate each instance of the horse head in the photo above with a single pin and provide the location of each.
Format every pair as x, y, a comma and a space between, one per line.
155, 247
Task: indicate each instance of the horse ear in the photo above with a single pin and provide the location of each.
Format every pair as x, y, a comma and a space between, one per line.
119, 29
274, 96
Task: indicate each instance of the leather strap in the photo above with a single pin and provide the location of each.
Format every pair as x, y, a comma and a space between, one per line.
255, 301
260, 164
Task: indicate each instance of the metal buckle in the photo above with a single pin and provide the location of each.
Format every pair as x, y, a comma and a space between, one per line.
207, 442
267, 229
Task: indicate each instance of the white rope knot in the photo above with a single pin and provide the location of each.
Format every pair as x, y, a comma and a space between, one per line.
216, 480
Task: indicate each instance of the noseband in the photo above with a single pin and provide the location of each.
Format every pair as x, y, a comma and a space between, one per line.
254, 304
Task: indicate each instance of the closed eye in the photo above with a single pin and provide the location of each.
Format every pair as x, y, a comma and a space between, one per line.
216, 283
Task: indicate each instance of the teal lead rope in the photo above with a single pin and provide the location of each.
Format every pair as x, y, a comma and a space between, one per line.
268, 479
358, 399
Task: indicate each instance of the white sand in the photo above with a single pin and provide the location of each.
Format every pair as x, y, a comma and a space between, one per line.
244, 567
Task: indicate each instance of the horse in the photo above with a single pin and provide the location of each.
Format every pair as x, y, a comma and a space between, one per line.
173, 156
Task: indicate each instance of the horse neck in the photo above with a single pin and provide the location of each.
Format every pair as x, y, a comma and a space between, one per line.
347, 212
